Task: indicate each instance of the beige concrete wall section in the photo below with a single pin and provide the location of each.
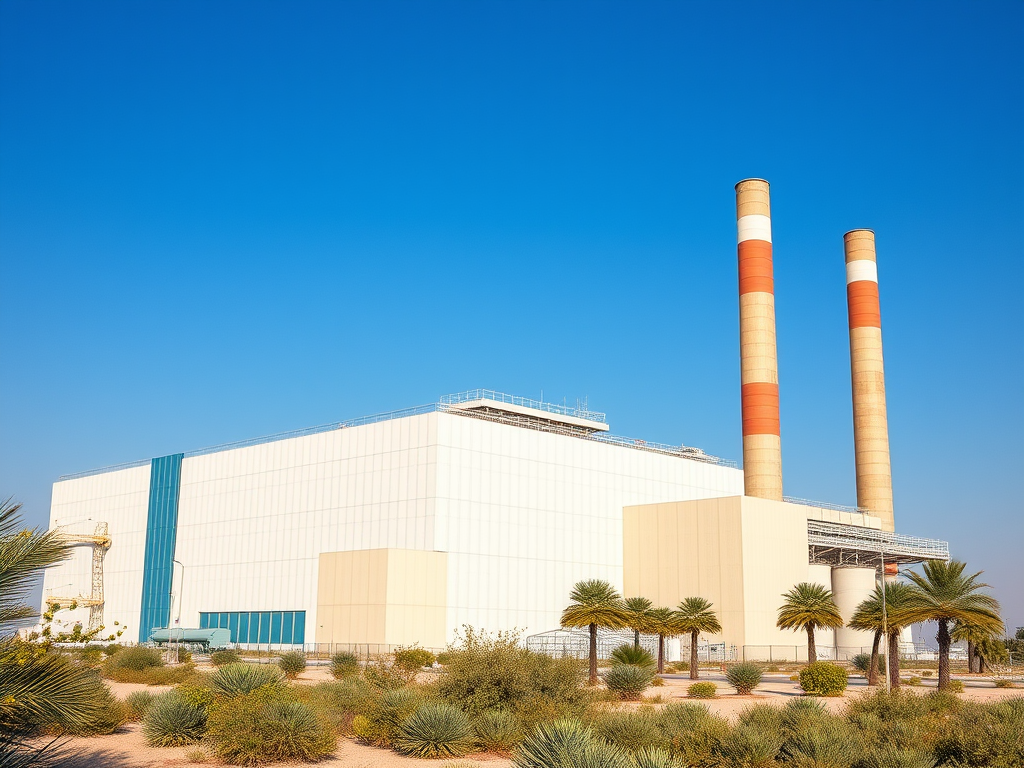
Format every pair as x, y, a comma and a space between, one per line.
758, 359
685, 549
762, 466
382, 596
870, 425
774, 559
752, 198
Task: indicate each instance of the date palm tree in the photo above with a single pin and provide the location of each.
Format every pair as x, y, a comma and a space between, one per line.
809, 607
664, 622
595, 603
636, 614
901, 609
39, 689
696, 615
948, 596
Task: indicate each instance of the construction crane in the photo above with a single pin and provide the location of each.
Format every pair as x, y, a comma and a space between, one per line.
99, 540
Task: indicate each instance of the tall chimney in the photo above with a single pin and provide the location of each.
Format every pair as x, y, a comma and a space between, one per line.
870, 425
759, 377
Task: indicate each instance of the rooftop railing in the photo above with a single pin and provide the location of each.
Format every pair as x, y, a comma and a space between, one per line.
524, 402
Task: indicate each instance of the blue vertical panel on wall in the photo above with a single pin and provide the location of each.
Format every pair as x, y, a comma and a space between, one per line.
299, 633
161, 532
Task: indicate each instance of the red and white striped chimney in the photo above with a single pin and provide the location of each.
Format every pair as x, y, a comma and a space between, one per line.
870, 423
759, 377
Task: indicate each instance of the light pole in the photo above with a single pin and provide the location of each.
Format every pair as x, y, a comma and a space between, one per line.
885, 628
177, 620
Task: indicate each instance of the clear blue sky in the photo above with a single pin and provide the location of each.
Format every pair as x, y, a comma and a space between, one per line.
222, 220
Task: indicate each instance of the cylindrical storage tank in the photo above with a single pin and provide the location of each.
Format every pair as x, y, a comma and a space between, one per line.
870, 424
759, 378
850, 587
824, 639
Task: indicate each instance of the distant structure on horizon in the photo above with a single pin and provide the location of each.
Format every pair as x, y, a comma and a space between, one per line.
484, 509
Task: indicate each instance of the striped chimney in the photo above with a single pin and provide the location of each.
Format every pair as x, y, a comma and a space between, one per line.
759, 377
870, 425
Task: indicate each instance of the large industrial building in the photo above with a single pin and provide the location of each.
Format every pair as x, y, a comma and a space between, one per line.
484, 509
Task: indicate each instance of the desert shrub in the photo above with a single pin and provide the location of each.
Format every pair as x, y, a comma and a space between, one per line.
196, 756
222, 658
137, 704
413, 659
763, 716
339, 701
927, 673
955, 686
240, 679
250, 729
111, 649
803, 713
693, 733
568, 743
913, 680
108, 714
631, 654
344, 664
435, 730
292, 663
631, 731
823, 678
747, 746
197, 689
628, 681
654, 757
862, 662
90, 656
171, 721
497, 731
485, 672
704, 690
135, 659
1004, 683
384, 675
381, 723
888, 756
162, 675
744, 677
830, 743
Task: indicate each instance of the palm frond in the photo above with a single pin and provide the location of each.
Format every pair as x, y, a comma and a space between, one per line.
808, 605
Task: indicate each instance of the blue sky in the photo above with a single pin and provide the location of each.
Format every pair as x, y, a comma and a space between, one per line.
224, 220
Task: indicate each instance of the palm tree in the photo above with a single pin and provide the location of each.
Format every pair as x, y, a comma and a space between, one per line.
982, 645
636, 613
947, 595
901, 603
38, 688
595, 603
665, 623
809, 607
696, 615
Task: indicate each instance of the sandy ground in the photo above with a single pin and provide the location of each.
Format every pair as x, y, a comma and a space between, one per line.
127, 748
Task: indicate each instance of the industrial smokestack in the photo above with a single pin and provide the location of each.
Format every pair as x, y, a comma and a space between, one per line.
870, 424
759, 378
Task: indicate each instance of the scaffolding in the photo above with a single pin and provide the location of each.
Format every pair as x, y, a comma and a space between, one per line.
851, 545
99, 540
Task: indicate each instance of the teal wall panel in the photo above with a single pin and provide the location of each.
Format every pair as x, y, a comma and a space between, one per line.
161, 532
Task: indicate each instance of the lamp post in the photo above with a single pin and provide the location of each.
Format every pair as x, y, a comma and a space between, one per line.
177, 620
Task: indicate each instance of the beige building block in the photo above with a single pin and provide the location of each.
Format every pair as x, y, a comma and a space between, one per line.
739, 552
382, 597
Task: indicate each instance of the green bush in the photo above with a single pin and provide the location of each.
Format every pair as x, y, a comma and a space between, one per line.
344, 664
222, 658
822, 678
435, 730
627, 681
109, 713
862, 662
135, 659
568, 743
1004, 683
693, 733
631, 731
339, 701
384, 675
830, 743
381, 723
497, 731
764, 717
955, 686
913, 680
240, 679
413, 659
803, 713
485, 672
137, 704
750, 746
744, 677
702, 691
631, 654
292, 663
173, 722
895, 757
250, 730
90, 656
197, 689
111, 649
654, 757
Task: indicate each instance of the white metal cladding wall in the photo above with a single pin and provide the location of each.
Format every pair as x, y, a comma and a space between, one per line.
120, 499
525, 514
253, 521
